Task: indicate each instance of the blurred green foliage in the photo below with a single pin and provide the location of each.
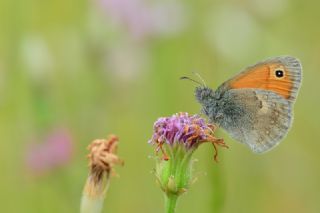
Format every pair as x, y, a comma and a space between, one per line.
68, 63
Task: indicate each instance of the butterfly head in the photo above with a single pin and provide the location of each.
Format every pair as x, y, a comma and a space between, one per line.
204, 95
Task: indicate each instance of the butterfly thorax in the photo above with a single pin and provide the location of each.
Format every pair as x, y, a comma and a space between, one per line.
211, 103
204, 95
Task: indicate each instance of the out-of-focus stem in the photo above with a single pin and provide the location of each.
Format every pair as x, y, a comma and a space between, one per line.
170, 203
93, 195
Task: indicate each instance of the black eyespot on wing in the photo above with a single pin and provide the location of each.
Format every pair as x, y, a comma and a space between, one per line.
279, 73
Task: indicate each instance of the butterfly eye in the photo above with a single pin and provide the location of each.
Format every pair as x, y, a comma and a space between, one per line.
279, 73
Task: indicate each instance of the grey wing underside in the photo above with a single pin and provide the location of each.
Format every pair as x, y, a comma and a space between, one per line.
263, 120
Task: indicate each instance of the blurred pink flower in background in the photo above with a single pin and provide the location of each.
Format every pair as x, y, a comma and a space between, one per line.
146, 18
55, 151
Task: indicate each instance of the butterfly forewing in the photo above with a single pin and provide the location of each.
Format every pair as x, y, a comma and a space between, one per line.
281, 75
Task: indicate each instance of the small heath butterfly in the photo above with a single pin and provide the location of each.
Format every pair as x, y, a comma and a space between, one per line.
255, 106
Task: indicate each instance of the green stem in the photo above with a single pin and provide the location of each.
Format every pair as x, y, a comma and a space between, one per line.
174, 175
171, 202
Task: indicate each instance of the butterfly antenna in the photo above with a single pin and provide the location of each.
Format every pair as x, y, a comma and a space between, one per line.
199, 76
190, 79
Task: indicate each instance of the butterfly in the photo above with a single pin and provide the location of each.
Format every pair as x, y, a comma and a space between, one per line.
256, 106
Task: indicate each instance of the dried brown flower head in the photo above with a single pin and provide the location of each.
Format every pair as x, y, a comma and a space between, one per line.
102, 154
102, 158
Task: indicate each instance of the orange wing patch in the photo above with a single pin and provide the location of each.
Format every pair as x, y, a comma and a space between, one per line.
274, 77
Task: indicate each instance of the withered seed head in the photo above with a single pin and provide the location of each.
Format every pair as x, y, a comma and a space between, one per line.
102, 156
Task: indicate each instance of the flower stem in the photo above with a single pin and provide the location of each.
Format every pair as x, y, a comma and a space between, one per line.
94, 194
170, 203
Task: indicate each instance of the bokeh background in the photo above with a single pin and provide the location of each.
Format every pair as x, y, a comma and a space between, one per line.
73, 71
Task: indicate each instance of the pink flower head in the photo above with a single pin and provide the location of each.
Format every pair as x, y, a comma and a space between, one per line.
187, 130
142, 18
54, 152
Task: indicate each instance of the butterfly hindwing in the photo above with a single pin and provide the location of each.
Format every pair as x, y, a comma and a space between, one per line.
258, 118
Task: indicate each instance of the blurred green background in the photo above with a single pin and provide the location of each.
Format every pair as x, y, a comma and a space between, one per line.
72, 71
